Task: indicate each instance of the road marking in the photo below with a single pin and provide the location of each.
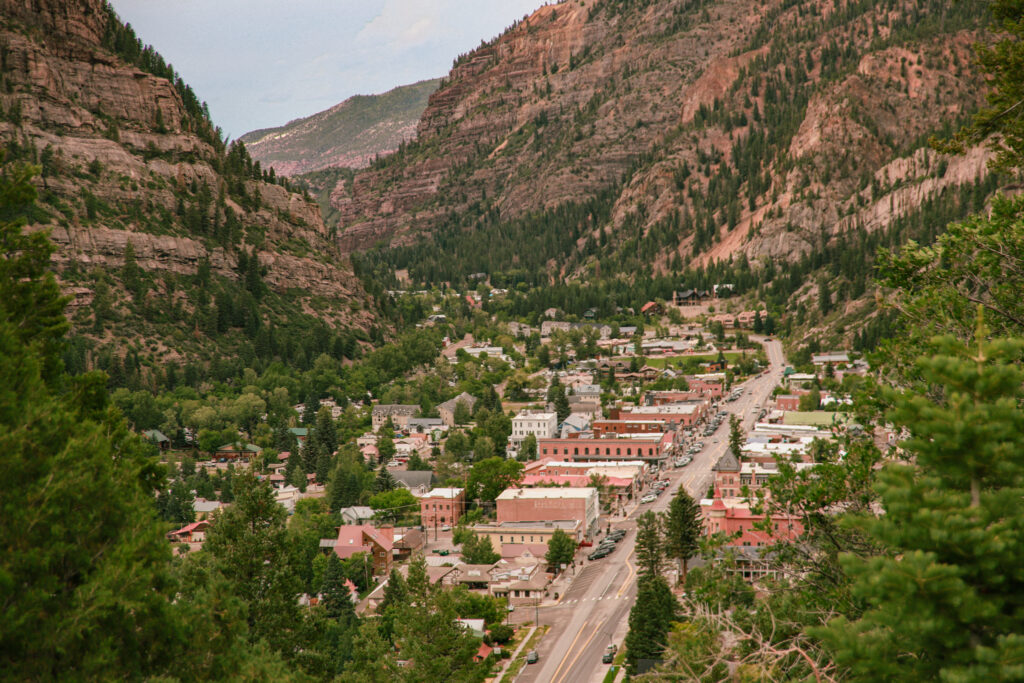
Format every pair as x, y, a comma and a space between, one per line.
597, 627
569, 651
629, 576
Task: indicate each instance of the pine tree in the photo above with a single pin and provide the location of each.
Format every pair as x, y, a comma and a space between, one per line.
384, 481
946, 602
650, 547
326, 431
649, 622
336, 598
683, 529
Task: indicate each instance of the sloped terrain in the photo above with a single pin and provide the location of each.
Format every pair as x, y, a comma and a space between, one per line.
169, 241
350, 134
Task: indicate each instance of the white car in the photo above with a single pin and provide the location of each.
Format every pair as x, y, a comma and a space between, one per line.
649, 498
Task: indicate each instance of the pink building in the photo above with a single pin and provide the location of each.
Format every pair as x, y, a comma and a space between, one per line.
710, 388
734, 516
442, 506
788, 402
365, 538
644, 446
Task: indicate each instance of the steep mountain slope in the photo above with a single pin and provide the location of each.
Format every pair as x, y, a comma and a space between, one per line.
174, 246
625, 138
350, 134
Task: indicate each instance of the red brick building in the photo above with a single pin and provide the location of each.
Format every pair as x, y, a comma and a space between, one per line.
549, 504
602, 428
643, 446
442, 506
734, 516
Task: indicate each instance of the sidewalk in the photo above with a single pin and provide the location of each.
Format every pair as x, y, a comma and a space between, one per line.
515, 653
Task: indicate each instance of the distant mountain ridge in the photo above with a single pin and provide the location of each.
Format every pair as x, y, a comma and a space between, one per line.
350, 134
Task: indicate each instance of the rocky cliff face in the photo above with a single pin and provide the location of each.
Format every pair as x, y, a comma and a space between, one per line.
129, 158
715, 129
351, 134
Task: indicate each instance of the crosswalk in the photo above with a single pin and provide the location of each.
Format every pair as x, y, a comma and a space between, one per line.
598, 599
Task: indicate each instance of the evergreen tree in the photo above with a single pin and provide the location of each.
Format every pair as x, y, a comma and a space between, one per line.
326, 432
735, 436
310, 408
478, 550
650, 620
385, 447
683, 529
946, 602
650, 546
384, 481
336, 597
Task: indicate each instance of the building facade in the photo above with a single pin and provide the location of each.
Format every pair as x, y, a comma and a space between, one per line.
541, 425
549, 505
442, 506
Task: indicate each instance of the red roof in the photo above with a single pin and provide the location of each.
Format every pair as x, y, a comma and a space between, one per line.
648, 306
354, 539
189, 528
484, 652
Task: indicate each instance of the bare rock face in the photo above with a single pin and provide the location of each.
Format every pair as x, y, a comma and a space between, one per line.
125, 161
796, 109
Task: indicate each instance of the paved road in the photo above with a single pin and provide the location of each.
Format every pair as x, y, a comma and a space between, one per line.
594, 611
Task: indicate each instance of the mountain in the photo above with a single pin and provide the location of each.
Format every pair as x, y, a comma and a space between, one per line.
176, 247
350, 134
633, 139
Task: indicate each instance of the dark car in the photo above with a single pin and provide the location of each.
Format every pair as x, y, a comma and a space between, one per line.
598, 554
532, 657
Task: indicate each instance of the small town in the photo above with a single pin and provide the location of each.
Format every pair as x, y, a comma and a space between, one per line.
532, 492
518, 341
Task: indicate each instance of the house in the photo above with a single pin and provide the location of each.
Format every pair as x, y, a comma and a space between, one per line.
686, 297
746, 318
474, 626
425, 425
574, 424
190, 533
398, 413
728, 320
370, 453
418, 482
204, 508
235, 451
541, 425
651, 308
587, 391
364, 538
406, 543
155, 436
356, 514
301, 433
483, 653
447, 409
442, 506
475, 576
831, 358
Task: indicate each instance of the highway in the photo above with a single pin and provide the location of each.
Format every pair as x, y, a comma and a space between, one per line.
594, 611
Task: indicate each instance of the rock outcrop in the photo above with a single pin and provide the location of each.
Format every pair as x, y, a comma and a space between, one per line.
129, 157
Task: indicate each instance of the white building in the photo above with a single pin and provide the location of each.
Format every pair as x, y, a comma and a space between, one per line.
541, 425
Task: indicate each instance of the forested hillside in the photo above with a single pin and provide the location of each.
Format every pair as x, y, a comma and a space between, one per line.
177, 248
641, 147
351, 134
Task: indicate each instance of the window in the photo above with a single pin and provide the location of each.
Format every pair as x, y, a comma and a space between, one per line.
501, 539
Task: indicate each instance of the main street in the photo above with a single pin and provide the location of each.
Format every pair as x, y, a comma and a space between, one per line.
594, 611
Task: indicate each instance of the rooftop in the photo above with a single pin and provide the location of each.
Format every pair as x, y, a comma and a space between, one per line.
541, 494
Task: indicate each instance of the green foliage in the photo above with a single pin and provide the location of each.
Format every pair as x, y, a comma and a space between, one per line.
683, 529
395, 504
561, 549
944, 602
650, 544
478, 549
650, 620
735, 436
491, 476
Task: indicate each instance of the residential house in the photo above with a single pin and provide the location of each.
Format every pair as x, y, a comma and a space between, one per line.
419, 482
652, 308
205, 508
830, 358
356, 514
378, 543
407, 542
158, 438
398, 413
190, 533
425, 425
237, 451
447, 409
575, 424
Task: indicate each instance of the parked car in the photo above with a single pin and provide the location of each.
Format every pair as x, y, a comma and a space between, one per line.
532, 657
618, 534
599, 553
649, 498
609, 654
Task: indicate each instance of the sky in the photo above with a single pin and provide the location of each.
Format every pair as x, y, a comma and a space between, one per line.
262, 63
